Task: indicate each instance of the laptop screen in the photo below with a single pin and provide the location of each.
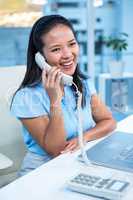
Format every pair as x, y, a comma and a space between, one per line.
115, 151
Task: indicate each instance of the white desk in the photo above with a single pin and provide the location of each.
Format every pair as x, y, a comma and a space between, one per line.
5, 162
48, 181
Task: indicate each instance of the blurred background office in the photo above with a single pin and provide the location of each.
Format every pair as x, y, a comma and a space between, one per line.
105, 34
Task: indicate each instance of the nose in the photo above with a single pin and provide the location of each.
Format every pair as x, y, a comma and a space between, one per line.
66, 53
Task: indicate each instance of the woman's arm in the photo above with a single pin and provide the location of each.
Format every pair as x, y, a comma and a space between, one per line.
49, 131
105, 123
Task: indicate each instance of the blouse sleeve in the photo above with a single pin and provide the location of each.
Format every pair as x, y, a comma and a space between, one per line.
29, 103
90, 87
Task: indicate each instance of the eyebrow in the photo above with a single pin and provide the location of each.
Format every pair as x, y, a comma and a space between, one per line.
57, 45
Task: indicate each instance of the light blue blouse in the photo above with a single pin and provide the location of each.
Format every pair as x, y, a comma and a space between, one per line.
33, 102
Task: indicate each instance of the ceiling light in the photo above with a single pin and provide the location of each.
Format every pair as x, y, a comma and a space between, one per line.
37, 2
98, 3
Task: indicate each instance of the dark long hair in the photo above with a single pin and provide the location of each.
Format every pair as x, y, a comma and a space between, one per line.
33, 74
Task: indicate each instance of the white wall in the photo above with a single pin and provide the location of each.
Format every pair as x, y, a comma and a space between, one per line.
127, 26
117, 18
107, 14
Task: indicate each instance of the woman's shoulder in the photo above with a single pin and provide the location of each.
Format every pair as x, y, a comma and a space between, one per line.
89, 85
29, 102
27, 92
30, 96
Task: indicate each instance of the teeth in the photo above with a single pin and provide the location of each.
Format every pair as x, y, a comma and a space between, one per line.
66, 64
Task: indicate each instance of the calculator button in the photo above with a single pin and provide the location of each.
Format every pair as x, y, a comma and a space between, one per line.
99, 186
107, 180
103, 182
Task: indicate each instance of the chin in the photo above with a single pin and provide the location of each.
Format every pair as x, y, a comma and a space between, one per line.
69, 72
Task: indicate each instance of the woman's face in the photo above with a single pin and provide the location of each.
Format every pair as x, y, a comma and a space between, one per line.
61, 49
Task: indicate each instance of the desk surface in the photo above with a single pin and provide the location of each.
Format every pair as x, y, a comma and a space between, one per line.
5, 162
48, 181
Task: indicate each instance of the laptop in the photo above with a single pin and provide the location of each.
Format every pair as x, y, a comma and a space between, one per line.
115, 151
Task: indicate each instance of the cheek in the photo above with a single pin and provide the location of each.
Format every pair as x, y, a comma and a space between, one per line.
51, 58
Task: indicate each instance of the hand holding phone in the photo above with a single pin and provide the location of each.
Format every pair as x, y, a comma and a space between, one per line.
40, 60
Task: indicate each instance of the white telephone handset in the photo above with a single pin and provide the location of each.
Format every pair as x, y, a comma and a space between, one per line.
40, 60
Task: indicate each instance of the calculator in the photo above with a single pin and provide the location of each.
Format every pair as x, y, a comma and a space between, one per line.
109, 188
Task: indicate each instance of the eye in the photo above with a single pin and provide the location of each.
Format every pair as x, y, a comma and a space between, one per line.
72, 43
55, 50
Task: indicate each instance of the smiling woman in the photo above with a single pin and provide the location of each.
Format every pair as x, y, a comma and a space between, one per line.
47, 108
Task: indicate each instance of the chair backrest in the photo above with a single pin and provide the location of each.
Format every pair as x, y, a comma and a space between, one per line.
11, 141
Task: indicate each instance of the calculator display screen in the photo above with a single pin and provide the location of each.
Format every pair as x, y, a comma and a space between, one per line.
118, 186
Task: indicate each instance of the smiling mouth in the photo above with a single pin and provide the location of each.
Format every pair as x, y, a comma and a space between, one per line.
67, 65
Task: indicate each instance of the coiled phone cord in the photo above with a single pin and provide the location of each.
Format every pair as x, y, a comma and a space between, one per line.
80, 128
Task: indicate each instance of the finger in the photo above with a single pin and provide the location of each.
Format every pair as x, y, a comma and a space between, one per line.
49, 75
58, 79
44, 76
77, 148
71, 142
74, 148
68, 145
52, 76
71, 148
65, 151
